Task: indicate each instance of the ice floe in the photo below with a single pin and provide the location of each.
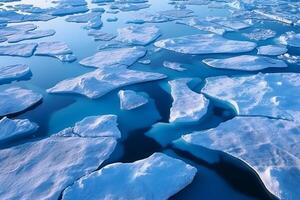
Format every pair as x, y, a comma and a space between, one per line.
273, 95
23, 50
271, 50
205, 44
59, 50
130, 99
92, 19
99, 82
245, 63
119, 56
129, 6
137, 180
43, 169
174, 65
29, 35
99, 35
15, 128
260, 34
15, 29
16, 99
138, 35
293, 59
290, 38
271, 147
13, 72
187, 106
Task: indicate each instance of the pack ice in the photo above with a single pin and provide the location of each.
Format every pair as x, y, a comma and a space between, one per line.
130, 99
13, 72
22, 50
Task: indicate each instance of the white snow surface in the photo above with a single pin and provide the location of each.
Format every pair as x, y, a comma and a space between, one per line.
130, 99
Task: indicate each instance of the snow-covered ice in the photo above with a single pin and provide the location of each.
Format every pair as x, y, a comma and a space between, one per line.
119, 56
99, 82
187, 106
13, 72
15, 128
16, 99
271, 147
138, 34
173, 65
23, 50
260, 34
125, 7
130, 99
271, 50
59, 50
245, 63
290, 38
100, 35
274, 95
156, 177
30, 35
205, 44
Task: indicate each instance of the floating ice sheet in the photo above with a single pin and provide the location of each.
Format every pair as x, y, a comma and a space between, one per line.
130, 99
13, 72
23, 50
271, 50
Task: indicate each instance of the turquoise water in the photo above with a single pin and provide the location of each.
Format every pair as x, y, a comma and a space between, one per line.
229, 180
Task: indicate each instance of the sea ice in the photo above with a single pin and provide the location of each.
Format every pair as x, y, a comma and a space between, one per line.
270, 147
29, 35
205, 44
99, 35
260, 34
130, 99
173, 65
23, 50
62, 10
271, 50
187, 106
138, 34
15, 128
290, 58
15, 29
156, 177
59, 50
120, 56
245, 63
16, 99
99, 82
290, 38
273, 95
129, 6
13, 72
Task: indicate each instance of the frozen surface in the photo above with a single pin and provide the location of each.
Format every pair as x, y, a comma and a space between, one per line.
29, 35
260, 34
23, 50
290, 38
271, 50
13, 72
130, 99
14, 128
173, 65
99, 35
205, 44
16, 99
156, 177
187, 106
59, 50
138, 34
120, 56
99, 82
274, 95
271, 147
245, 63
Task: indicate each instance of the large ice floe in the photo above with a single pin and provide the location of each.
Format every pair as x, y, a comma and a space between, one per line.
138, 34
59, 50
156, 177
120, 56
271, 50
99, 82
273, 95
29, 35
11, 129
22, 50
16, 99
130, 99
245, 63
43, 169
13, 72
260, 34
187, 106
290, 38
271, 147
205, 44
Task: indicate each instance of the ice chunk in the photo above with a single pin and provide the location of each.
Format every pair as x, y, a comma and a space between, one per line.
29, 35
173, 65
145, 61
245, 63
13, 72
271, 50
260, 34
187, 106
130, 99
15, 29
290, 38
290, 58
112, 19
99, 82
100, 35
138, 35
16, 99
205, 44
137, 180
129, 6
62, 10
23, 50
271, 147
43, 169
108, 58
273, 95
83, 18
55, 49
14, 128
